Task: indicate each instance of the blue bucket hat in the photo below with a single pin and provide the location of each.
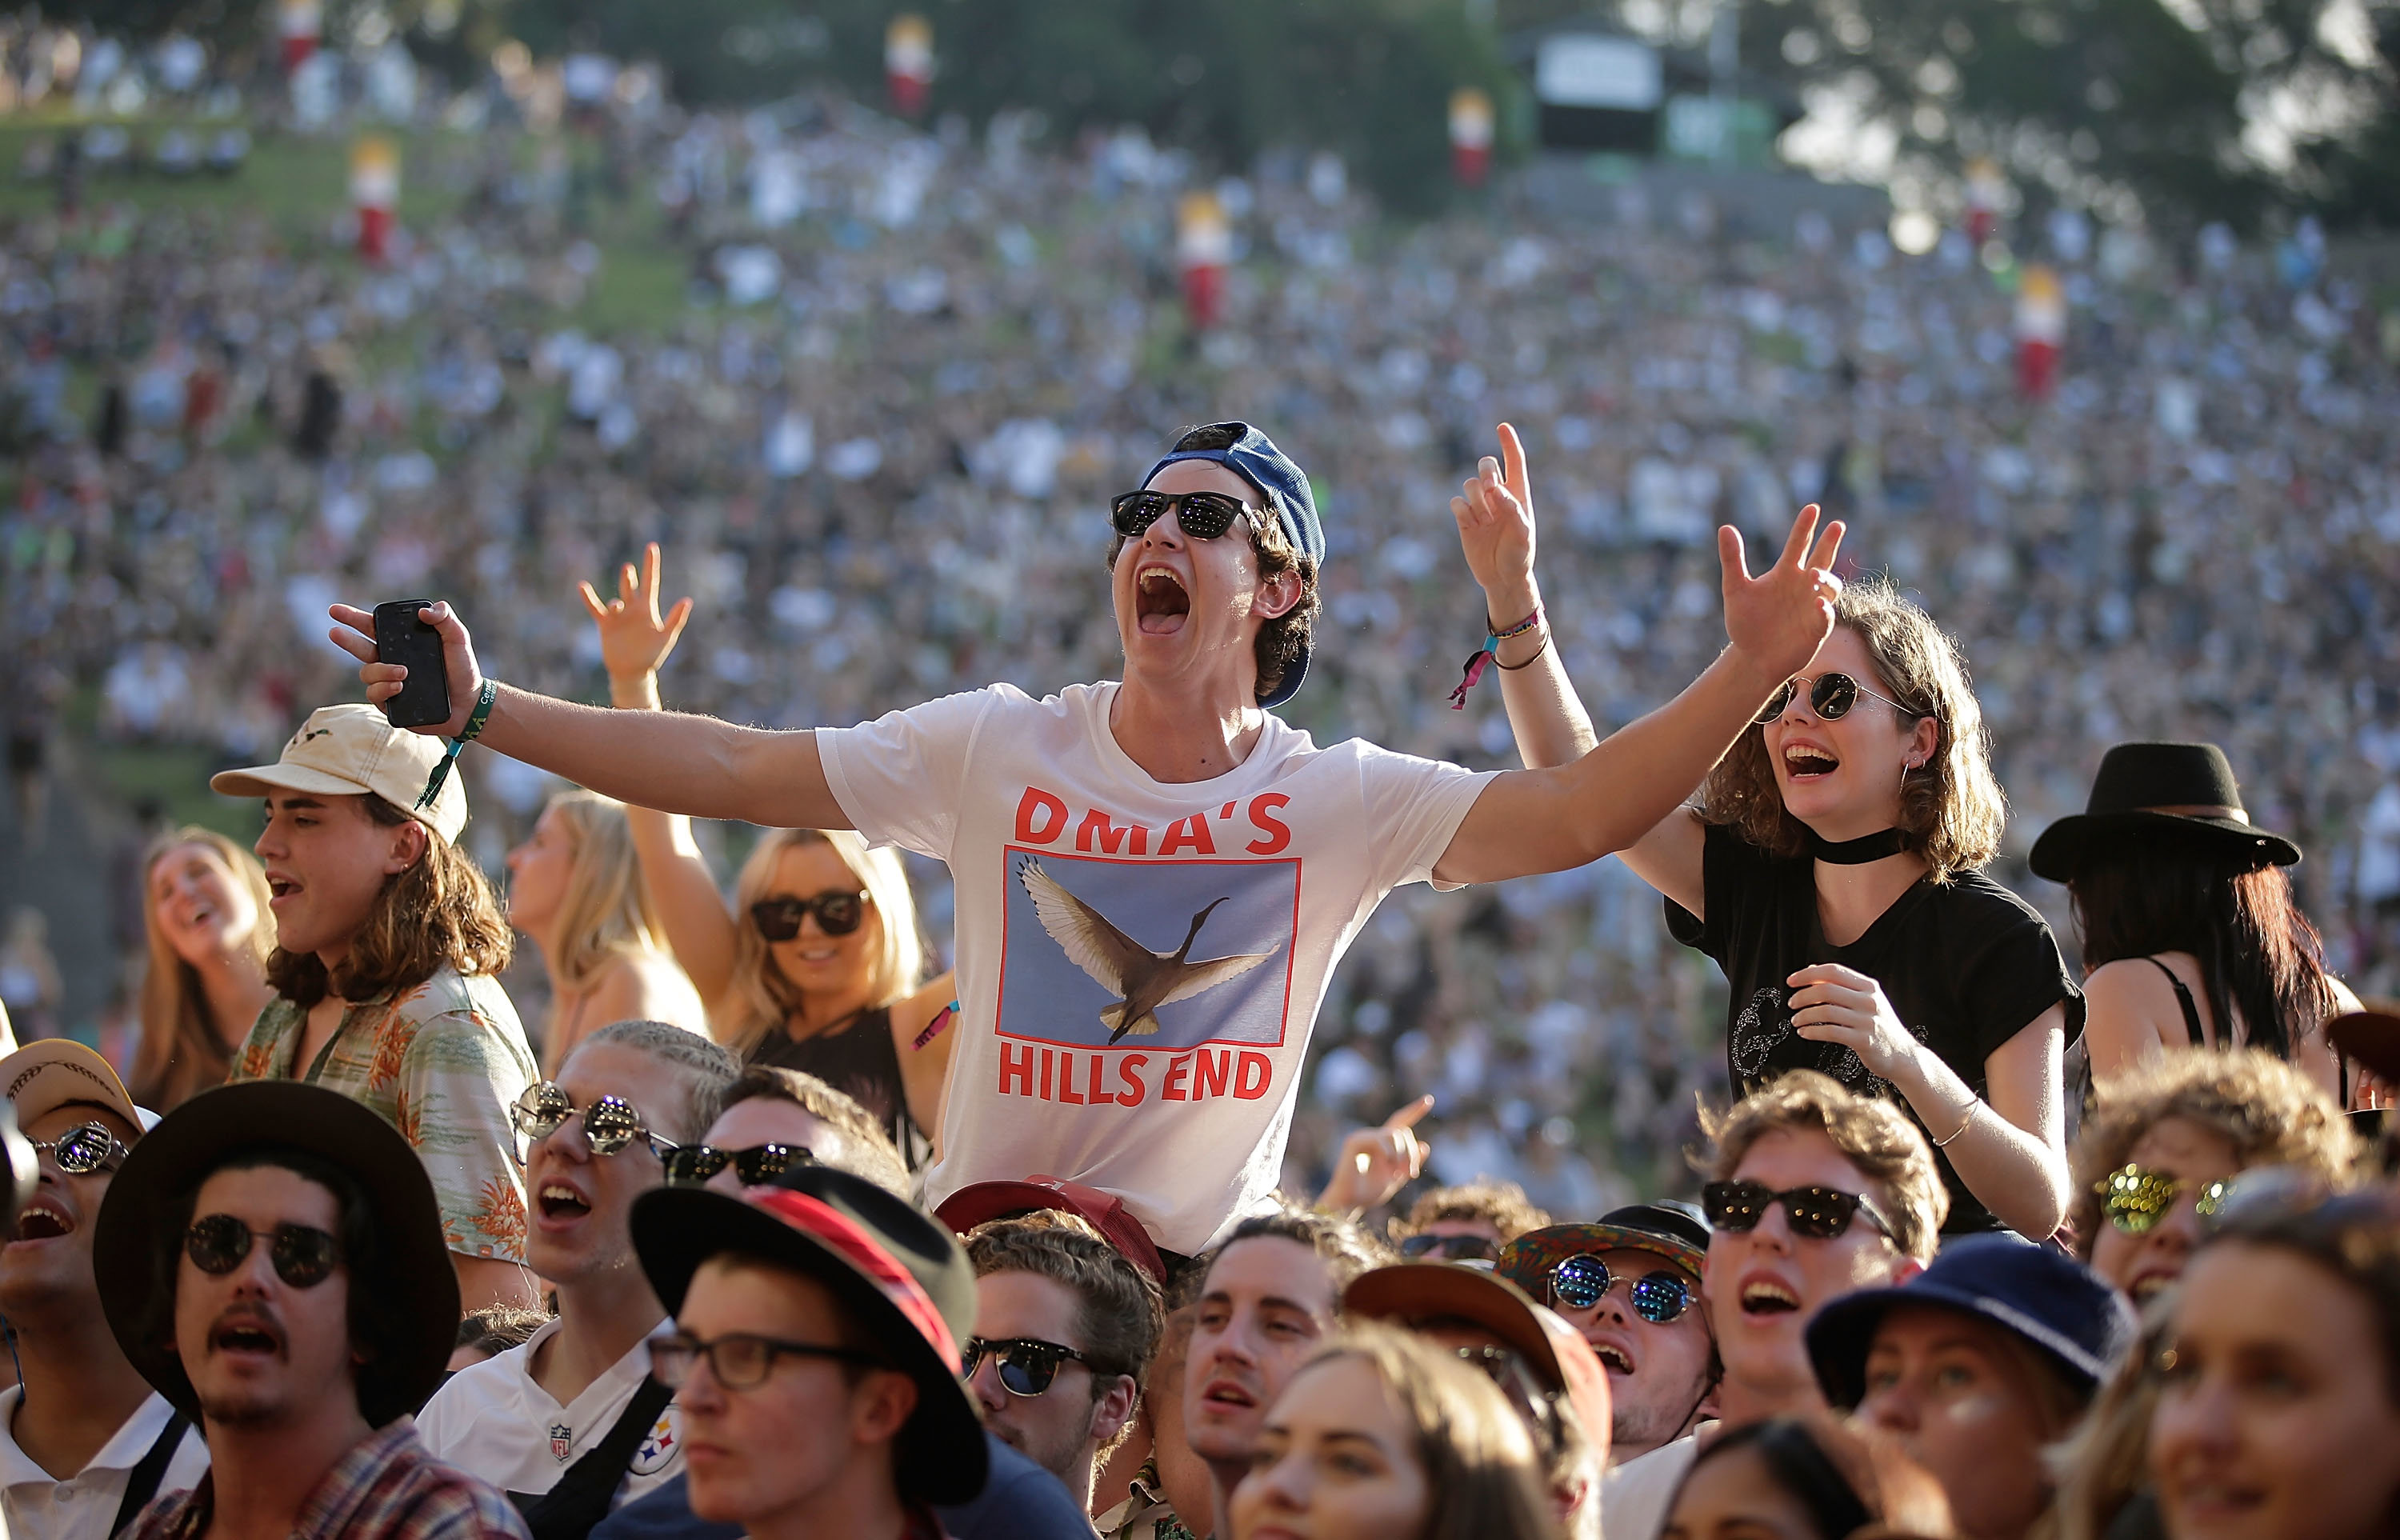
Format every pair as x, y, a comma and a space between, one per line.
1253, 457
2056, 1303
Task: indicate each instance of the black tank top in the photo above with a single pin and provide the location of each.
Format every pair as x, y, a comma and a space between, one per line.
2184, 1002
859, 1061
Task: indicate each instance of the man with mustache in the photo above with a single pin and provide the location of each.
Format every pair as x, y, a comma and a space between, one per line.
271, 1260
85, 1442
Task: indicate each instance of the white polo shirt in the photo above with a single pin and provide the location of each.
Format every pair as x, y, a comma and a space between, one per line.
494, 1422
40, 1506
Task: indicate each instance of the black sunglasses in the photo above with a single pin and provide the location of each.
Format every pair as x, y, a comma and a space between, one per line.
609, 1124
1457, 1249
838, 913
1026, 1365
1831, 696
1582, 1282
1819, 1213
692, 1164
84, 1148
303, 1255
1202, 515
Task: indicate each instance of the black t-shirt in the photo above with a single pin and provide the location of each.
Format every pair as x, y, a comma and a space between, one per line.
1967, 964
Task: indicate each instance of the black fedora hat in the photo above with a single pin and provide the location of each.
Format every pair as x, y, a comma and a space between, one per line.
2161, 791
139, 1225
902, 1276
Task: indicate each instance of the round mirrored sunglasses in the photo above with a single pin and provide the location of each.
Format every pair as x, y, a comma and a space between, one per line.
1579, 1283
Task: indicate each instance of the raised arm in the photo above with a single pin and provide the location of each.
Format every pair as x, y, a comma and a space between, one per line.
635, 640
1495, 512
694, 765
1547, 820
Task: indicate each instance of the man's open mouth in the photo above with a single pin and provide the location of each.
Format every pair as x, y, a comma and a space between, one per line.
246, 1337
1613, 1357
560, 1202
1765, 1297
1160, 601
42, 1223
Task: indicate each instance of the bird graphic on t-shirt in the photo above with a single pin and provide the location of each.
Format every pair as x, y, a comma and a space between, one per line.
1145, 980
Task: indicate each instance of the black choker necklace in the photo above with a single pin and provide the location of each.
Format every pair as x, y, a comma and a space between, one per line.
1854, 853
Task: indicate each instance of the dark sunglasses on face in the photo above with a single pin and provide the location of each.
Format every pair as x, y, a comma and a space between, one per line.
1202, 515
2136, 1199
1819, 1213
738, 1360
86, 1147
303, 1255
609, 1124
1831, 696
693, 1164
1025, 1365
1582, 1282
838, 913
1457, 1249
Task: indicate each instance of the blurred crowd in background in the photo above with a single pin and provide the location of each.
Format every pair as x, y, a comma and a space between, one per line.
892, 377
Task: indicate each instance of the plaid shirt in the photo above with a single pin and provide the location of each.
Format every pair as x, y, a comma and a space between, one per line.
442, 1063
388, 1487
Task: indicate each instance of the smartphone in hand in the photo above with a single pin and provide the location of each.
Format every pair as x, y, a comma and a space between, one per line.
402, 636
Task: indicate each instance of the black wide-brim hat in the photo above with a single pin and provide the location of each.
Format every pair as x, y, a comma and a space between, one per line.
141, 1218
2183, 793
899, 1273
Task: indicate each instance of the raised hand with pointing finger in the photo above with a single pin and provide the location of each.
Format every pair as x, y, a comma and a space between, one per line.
1375, 1163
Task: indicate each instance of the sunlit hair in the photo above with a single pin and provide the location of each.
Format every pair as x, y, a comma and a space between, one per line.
2260, 957
865, 1152
706, 1069
2268, 1111
759, 998
1951, 808
439, 913
1870, 1132
1484, 1478
2100, 1466
607, 915
1118, 1313
1502, 1205
1346, 1248
184, 1049
2357, 1239
1844, 1477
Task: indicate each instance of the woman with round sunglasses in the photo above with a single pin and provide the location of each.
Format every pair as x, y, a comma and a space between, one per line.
2185, 913
1831, 868
2152, 1165
819, 966
576, 891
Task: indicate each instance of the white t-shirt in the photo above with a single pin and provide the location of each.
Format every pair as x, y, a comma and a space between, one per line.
1087, 891
40, 1506
1634, 1497
492, 1420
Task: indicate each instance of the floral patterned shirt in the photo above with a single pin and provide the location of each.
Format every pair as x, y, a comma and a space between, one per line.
442, 1063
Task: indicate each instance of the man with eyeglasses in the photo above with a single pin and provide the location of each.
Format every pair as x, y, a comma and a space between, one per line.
1630, 1285
1066, 1326
85, 1442
1139, 961
271, 1260
571, 1424
1815, 1192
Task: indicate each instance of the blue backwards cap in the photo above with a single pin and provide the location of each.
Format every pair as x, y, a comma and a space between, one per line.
1253, 457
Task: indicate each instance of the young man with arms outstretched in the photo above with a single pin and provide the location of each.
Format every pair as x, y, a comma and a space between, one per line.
1141, 960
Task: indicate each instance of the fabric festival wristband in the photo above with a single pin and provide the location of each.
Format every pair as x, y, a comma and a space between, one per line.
1488, 655
475, 720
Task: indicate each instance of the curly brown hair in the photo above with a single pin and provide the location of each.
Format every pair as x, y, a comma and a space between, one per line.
1118, 1313
439, 913
1501, 1204
1282, 640
1951, 808
1870, 1132
2271, 1113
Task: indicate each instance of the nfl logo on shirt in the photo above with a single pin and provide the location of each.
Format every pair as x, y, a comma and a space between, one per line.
562, 1441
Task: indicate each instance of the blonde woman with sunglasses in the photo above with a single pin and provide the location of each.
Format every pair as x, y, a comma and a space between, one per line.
1831, 865
819, 966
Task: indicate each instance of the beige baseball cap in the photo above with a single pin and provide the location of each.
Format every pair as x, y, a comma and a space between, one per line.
343, 751
55, 1072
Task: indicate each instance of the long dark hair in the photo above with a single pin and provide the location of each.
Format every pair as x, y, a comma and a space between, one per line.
439, 913
1800, 1465
2259, 955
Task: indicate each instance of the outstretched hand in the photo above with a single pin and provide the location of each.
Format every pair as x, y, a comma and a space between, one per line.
1376, 1163
1495, 520
1780, 618
634, 639
355, 636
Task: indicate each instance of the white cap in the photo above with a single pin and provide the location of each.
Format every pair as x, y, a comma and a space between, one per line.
344, 751
55, 1072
